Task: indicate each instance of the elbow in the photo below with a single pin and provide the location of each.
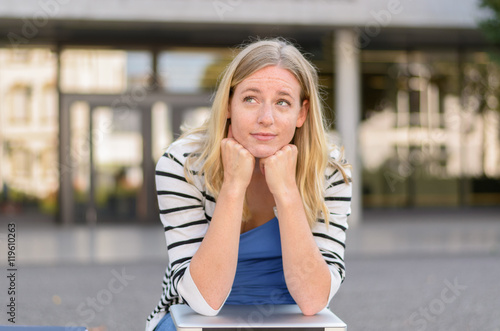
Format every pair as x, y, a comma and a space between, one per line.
310, 312
312, 308
209, 313
192, 296
203, 308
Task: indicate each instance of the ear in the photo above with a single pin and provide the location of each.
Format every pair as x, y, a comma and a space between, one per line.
229, 109
304, 110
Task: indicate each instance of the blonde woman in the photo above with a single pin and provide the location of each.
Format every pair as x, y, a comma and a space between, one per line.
254, 203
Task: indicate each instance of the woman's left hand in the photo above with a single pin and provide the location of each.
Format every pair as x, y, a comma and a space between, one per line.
279, 170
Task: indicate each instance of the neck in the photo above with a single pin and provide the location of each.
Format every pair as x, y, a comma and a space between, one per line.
258, 182
258, 170
259, 199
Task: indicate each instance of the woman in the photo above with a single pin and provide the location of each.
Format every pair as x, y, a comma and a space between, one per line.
244, 198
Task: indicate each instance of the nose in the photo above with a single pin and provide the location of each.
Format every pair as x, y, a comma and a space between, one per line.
266, 117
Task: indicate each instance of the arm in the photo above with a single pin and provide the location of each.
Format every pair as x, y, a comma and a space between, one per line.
214, 264
306, 273
202, 255
310, 277
331, 240
182, 212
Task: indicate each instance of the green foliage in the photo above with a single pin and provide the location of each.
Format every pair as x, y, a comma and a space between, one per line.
492, 4
491, 26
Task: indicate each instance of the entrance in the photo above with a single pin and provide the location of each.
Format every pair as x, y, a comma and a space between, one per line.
108, 151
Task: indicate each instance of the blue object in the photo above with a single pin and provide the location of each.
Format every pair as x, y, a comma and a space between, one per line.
42, 328
166, 324
259, 275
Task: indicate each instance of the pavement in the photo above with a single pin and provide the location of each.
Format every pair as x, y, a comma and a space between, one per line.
406, 270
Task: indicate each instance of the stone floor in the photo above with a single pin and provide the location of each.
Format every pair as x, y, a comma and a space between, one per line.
406, 270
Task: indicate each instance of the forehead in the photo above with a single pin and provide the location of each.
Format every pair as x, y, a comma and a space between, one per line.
271, 76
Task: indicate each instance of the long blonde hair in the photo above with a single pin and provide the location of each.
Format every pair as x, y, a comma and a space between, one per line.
310, 139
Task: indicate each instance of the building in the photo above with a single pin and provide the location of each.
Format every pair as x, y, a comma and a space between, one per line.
411, 91
28, 121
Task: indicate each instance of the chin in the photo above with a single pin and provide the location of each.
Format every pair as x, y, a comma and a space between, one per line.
262, 153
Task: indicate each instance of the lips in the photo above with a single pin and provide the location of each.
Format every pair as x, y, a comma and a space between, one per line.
263, 136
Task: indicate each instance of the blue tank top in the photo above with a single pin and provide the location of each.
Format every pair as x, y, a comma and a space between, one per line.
259, 275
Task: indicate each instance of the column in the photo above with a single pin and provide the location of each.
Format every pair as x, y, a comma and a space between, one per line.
348, 108
91, 212
148, 204
66, 203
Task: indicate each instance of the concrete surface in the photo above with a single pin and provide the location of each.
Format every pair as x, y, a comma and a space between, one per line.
431, 270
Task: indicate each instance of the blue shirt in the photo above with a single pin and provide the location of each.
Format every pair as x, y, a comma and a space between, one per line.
259, 275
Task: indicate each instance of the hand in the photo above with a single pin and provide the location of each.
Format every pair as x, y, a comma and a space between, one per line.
279, 170
237, 161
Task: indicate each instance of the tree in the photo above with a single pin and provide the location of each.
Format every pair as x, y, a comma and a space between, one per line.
491, 25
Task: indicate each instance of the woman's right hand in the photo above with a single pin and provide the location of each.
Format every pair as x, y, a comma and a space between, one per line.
237, 161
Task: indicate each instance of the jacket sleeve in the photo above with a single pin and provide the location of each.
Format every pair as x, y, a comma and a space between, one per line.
185, 221
330, 237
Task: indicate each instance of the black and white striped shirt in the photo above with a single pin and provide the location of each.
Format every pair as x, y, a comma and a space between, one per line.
186, 211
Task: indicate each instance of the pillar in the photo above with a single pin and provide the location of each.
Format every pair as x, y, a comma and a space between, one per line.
147, 207
65, 164
348, 108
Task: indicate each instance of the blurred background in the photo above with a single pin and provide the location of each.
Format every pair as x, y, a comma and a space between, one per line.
92, 92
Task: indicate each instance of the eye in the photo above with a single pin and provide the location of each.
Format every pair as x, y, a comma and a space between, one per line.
283, 103
249, 100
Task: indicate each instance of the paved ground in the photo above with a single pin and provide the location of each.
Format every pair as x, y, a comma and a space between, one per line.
425, 271
384, 293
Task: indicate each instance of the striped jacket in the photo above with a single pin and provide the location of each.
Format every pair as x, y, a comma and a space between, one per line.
186, 211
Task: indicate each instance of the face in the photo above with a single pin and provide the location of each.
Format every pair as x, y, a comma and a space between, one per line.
265, 110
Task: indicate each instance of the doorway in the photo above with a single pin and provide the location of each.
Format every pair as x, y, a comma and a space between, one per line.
108, 154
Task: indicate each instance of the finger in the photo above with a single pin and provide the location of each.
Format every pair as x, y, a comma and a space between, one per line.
289, 148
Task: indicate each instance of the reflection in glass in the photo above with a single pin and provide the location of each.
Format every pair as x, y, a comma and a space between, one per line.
139, 68
93, 71
191, 71
160, 130
78, 161
28, 132
427, 129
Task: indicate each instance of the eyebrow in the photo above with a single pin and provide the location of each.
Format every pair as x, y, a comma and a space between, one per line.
251, 89
256, 90
285, 93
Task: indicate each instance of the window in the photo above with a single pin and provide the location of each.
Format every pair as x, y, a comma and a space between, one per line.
93, 71
193, 70
20, 105
21, 163
48, 107
430, 124
19, 55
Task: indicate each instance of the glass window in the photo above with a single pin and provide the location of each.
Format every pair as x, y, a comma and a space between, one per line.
192, 70
118, 144
28, 129
161, 132
422, 135
20, 55
77, 158
49, 105
139, 69
115, 139
21, 163
20, 104
478, 125
93, 71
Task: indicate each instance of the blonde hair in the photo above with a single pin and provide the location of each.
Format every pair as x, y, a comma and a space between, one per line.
310, 139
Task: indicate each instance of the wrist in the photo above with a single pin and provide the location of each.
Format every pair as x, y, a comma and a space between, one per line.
287, 197
233, 189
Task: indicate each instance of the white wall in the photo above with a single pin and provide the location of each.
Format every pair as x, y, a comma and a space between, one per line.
341, 13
